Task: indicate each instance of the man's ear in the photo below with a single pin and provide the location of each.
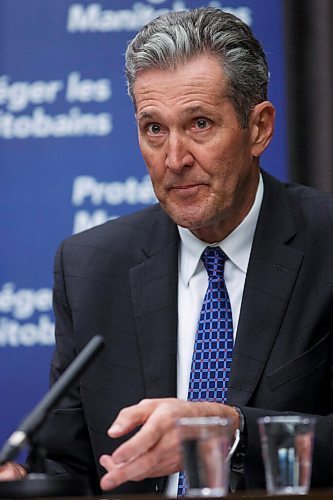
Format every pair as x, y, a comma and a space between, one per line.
262, 126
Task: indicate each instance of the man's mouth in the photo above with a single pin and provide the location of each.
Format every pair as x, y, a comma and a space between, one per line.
186, 189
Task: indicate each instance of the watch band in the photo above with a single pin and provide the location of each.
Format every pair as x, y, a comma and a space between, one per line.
238, 458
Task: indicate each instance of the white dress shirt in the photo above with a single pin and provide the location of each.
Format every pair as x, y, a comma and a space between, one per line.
192, 286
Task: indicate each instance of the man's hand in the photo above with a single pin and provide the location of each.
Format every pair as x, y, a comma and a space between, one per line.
12, 472
155, 449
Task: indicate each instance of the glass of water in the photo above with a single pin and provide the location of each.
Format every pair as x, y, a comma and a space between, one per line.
287, 443
205, 446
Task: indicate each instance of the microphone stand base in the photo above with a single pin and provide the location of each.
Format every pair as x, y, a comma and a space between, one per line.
41, 485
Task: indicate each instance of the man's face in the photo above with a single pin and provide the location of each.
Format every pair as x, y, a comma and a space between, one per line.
202, 164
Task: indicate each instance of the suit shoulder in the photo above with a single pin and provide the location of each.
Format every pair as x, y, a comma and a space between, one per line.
308, 194
122, 232
312, 205
289, 209
300, 197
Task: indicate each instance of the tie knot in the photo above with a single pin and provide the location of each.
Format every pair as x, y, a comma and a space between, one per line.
214, 259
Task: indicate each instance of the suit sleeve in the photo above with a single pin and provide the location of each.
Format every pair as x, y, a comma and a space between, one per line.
322, 453
65, 435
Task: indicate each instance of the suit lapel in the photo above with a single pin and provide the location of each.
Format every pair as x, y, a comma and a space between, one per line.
154, 298
271, 275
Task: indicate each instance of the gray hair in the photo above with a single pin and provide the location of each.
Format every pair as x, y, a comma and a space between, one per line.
177, 37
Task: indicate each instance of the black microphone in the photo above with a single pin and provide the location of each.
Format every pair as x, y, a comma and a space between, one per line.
32, 422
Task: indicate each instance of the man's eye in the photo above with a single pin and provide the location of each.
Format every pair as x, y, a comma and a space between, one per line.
201, 123
154, 128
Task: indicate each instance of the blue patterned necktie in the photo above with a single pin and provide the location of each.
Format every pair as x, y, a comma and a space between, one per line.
212, 353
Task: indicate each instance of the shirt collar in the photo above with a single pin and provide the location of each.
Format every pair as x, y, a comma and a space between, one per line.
237, 245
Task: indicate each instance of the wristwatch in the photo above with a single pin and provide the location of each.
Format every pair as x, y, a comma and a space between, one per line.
238, 458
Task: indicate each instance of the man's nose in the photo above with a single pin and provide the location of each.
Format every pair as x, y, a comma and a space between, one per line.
178, 153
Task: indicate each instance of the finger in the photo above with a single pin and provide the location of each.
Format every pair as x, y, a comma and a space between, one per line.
156, 426
106, 462
152, 464
131, 417
11, 471
7, 474
107, 482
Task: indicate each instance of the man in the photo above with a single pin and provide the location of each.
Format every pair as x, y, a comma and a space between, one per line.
198, 80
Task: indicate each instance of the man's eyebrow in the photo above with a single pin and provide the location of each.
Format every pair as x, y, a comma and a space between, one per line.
193, 110
145, 115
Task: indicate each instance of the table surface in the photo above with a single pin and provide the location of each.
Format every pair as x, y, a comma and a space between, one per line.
313, 495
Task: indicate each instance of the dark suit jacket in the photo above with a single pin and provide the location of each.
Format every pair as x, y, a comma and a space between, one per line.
119, 280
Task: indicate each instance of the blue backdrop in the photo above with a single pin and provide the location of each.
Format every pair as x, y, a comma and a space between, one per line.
69, 157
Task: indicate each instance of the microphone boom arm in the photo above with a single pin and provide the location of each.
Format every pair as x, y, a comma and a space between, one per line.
34, 420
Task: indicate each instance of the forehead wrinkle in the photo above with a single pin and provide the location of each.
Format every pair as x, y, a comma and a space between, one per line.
197, 86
